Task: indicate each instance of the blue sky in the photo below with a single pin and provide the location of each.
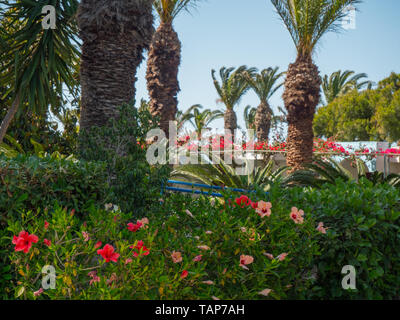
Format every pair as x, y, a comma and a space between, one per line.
248, 32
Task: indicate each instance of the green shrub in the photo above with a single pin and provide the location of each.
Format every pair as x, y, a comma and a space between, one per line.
30, 182
6, 274
363, 222
121, 146
219, 231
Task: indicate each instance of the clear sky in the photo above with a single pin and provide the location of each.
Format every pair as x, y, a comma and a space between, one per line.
249, 32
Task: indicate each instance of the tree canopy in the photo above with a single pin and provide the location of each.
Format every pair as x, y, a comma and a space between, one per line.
369, 115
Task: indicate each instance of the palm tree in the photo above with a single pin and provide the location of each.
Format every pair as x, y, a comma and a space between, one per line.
36, 63
201, 120
114, 34
338, 84
163, 62
231, 89
307, 21
249, 117
264, 86
183, 117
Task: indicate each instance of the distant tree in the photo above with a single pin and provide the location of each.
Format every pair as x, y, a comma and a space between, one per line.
388, 108
339, 83
264, 85
347, 118
231, 89
249, 115
370, 115
183, 117
392, 82
144, 105
201, 120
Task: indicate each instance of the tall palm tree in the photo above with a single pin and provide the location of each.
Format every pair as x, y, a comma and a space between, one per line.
264, 86
202, 120
231, 89
36, 63
164, 61
307, 21
339, 83
249, 117
114, 35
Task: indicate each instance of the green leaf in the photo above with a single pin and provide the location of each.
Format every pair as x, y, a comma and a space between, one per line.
20, 291
362, 257
22, 197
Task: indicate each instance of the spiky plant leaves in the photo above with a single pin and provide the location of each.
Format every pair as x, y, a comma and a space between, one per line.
36, 63
222, 174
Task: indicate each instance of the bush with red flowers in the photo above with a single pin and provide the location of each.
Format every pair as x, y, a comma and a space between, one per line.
185, 249
284, 245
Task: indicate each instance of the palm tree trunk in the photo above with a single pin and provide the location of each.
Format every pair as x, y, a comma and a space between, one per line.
114, 36
230, 121
263, 122
162, 74
9, 117
301, 96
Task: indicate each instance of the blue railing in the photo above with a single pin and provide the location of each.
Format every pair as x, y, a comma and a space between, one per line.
199, 185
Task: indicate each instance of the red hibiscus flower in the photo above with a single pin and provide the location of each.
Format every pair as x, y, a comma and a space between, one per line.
184, 274
24, 241
108, 253
98, 244
46, 224
47, 242
254, 205
134, 227
243, 201
141, 249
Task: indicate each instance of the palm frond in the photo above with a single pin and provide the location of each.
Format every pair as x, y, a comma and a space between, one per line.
249, 116
222, 174
167, 10
264, 83
38, 62
308, 20
232, 85
340, 83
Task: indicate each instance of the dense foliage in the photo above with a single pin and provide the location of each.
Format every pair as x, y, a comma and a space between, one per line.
324, 171
363, 222
370, 115
31, 182
121, 146
205, 248
184, 249
89, 214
